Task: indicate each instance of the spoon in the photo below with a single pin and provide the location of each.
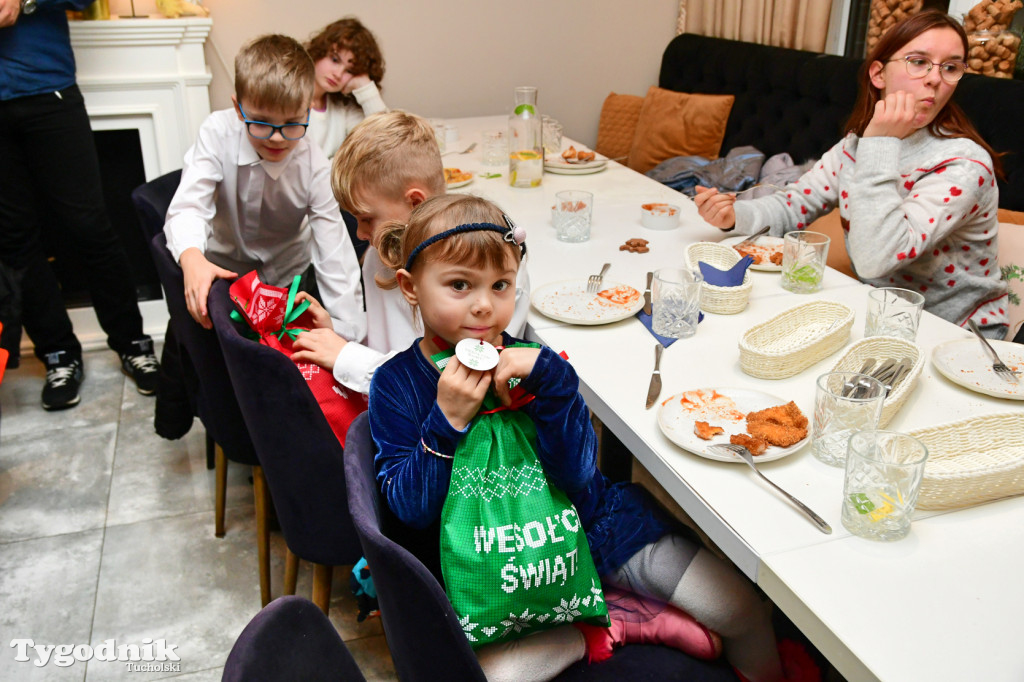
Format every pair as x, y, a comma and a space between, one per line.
467, 150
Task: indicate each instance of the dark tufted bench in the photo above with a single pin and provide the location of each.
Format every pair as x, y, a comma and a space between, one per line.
797, 102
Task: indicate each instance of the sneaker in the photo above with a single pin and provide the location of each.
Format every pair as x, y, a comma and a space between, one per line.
144, 369
62, 381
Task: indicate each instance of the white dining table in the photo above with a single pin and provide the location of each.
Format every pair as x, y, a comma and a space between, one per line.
940, 604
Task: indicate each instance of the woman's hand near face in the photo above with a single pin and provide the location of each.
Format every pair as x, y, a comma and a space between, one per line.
355, 83
894, 116
460, 391
513, 363
715, 207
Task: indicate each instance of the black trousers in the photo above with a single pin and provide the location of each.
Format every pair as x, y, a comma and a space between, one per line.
48, 157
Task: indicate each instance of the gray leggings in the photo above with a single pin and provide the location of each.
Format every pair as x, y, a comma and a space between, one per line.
688, 576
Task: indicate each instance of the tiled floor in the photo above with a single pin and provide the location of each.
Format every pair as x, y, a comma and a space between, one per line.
106, 532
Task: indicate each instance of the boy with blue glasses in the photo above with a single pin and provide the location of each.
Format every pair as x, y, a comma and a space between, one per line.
256, 194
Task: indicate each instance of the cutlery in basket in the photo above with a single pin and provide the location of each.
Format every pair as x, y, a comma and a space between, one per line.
998, 366
745, 455
594, 281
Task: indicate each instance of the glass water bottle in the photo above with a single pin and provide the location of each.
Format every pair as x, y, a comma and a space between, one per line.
525, 141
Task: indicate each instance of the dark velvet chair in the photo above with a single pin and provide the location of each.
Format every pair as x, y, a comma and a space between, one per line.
423, 632
215, 400
302, 459
290, 639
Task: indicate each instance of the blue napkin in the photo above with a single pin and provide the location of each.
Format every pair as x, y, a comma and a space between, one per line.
725, 278
665, 341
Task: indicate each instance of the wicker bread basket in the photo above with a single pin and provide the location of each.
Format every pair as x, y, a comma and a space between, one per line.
795, 339
972, 461
715, 299
885, 348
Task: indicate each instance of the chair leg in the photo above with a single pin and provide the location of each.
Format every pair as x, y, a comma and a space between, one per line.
221, 478
262, 532
322, 576
211, 452
291, 572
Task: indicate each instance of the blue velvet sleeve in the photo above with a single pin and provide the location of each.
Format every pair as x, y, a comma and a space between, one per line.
566, 442
403, 410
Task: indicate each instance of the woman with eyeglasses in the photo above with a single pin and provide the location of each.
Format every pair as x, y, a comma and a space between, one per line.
914, 182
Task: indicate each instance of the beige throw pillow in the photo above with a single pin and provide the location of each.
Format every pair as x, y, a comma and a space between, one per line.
678, 124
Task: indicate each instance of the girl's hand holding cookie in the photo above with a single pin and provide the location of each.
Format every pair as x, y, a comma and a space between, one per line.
460, 391
894, 116
513, 363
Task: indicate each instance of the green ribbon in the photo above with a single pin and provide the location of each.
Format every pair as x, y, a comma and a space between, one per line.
291, 313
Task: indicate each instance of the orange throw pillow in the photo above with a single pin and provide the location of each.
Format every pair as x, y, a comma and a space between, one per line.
617, 126
678, 124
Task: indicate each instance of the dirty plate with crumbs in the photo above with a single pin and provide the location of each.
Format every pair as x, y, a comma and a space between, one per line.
569, 301
965, 362
724, 407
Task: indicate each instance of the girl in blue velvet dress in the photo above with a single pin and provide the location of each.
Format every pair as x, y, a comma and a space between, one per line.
462, 282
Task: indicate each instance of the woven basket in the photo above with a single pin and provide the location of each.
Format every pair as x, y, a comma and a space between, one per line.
972, 461
715, 299
795, 339
884, 348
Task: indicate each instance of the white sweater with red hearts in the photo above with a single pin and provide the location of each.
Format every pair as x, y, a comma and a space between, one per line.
918, 213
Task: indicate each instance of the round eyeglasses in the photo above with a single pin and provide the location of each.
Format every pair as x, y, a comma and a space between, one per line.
919, 67
261, 130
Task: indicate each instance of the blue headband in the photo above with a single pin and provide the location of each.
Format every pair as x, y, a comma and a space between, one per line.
511, 232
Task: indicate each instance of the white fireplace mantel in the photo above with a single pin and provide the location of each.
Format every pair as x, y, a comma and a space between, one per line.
147, 74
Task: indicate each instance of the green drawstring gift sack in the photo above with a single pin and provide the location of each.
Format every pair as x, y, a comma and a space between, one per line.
514, 554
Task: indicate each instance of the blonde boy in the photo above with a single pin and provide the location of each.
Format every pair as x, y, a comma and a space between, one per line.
256, 194
387, 166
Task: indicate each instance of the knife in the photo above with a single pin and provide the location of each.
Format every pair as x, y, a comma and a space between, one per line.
655, 388
647, 294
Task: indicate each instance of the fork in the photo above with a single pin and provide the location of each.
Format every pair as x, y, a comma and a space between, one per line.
745, 455
998, 366
757, 186
594, 281
464, 151
752, 238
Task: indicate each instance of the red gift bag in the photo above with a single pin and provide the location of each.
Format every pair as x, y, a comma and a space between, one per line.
274, 318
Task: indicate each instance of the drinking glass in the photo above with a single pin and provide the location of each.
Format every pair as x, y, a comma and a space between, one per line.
552, 134
675, 302
495, 149
844, 403
884, 470
438, 125
803, 261
893, 312
571, 217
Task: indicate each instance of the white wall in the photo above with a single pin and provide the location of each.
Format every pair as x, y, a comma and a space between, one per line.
449, 58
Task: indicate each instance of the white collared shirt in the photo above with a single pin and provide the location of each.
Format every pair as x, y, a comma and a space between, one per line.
245, 213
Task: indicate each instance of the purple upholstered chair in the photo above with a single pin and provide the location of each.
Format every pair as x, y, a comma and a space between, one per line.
217, 406
290, 639
301, 457
426, 641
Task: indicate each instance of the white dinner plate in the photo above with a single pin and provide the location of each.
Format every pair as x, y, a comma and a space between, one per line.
568, 301
965, 362
461, 183
560, 166
725, 407
766, 246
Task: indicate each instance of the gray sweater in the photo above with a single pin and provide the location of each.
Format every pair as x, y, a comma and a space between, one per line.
917, 213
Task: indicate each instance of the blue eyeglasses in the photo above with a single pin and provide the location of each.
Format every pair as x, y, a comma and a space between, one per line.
262, 130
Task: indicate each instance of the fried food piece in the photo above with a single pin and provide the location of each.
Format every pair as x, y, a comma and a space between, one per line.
754, 254
786, 415
569, 153
583, 155
781, 425
776, 258
705, 430
756, 445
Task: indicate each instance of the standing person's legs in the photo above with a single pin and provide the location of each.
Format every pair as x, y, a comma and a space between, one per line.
43, 314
